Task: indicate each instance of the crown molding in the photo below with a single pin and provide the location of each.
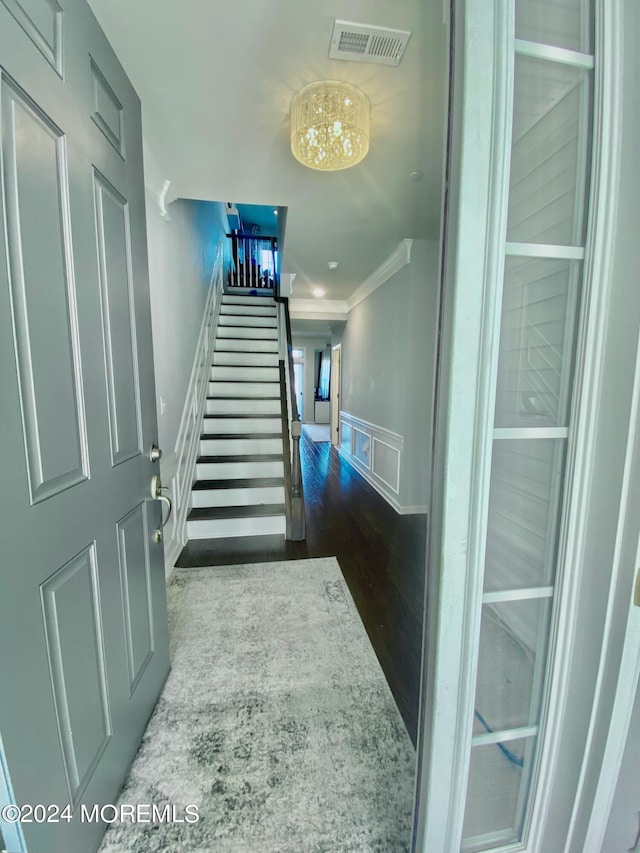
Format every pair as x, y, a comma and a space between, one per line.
156, 185
398, 259
318, 309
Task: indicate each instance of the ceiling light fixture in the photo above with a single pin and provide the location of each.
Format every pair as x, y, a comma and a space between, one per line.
318, 291
333, 266
330, 125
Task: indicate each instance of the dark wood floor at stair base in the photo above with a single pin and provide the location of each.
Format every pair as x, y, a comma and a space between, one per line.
381, 554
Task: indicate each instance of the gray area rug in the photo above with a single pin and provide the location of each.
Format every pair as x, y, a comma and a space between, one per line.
317, 432
276, 722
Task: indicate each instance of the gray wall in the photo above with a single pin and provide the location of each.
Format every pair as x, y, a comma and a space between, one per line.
181, 256
388, 362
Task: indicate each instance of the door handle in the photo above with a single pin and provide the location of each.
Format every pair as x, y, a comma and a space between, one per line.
156, 493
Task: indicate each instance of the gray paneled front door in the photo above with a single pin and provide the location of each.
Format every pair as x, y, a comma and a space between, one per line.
83, 632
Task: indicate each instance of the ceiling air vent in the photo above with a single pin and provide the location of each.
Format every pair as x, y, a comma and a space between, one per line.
366, 43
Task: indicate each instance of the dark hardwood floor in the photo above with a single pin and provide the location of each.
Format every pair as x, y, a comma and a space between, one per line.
381, 554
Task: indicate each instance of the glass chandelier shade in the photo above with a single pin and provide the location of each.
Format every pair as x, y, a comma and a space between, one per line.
330, 125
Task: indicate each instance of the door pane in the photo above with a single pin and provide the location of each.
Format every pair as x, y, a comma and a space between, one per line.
550, 153
513, 643
537, 337
498, 781
561, 23
524, 499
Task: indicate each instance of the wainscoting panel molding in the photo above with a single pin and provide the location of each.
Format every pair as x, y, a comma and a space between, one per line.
177, 469
376, 453
385, 462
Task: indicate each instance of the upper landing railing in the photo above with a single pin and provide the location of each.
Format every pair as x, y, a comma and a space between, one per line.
253, 262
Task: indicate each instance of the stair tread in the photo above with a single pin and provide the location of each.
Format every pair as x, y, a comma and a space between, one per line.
238, 483
242, 457
253, 511
217, 397
208, 436
242, 415
265, 308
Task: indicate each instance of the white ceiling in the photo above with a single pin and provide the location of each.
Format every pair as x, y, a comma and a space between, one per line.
216, 81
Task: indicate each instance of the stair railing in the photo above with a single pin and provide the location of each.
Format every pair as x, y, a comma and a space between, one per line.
253, 262
294, 497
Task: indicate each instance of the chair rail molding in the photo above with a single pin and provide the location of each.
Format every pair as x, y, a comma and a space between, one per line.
178, 467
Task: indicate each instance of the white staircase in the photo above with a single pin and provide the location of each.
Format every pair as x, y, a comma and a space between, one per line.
239, 487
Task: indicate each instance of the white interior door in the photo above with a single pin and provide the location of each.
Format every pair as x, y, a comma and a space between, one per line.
83, 632
524, 309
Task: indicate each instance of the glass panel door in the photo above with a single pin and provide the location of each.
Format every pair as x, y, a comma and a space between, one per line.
541, 302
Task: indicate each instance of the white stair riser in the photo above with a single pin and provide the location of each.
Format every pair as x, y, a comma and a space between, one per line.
238, 470
253, 496
229, 426
260, 297
248, 332
254, 359
236, 446
218, 528
243, 407
244, 389
244, 372
248, 310
248, 321
254, 346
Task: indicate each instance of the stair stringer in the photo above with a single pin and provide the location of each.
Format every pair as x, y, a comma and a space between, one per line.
177, 467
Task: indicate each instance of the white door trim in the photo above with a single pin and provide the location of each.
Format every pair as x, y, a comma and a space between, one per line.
475, 227
588, 372
336, 394
627, 554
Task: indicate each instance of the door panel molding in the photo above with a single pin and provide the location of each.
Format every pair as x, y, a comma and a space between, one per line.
137, 600
45, 34
77, 666
106, 110
46, 332
118, 320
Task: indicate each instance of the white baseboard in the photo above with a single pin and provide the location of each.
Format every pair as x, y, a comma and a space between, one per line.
378, 486
178, 468
171, 553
